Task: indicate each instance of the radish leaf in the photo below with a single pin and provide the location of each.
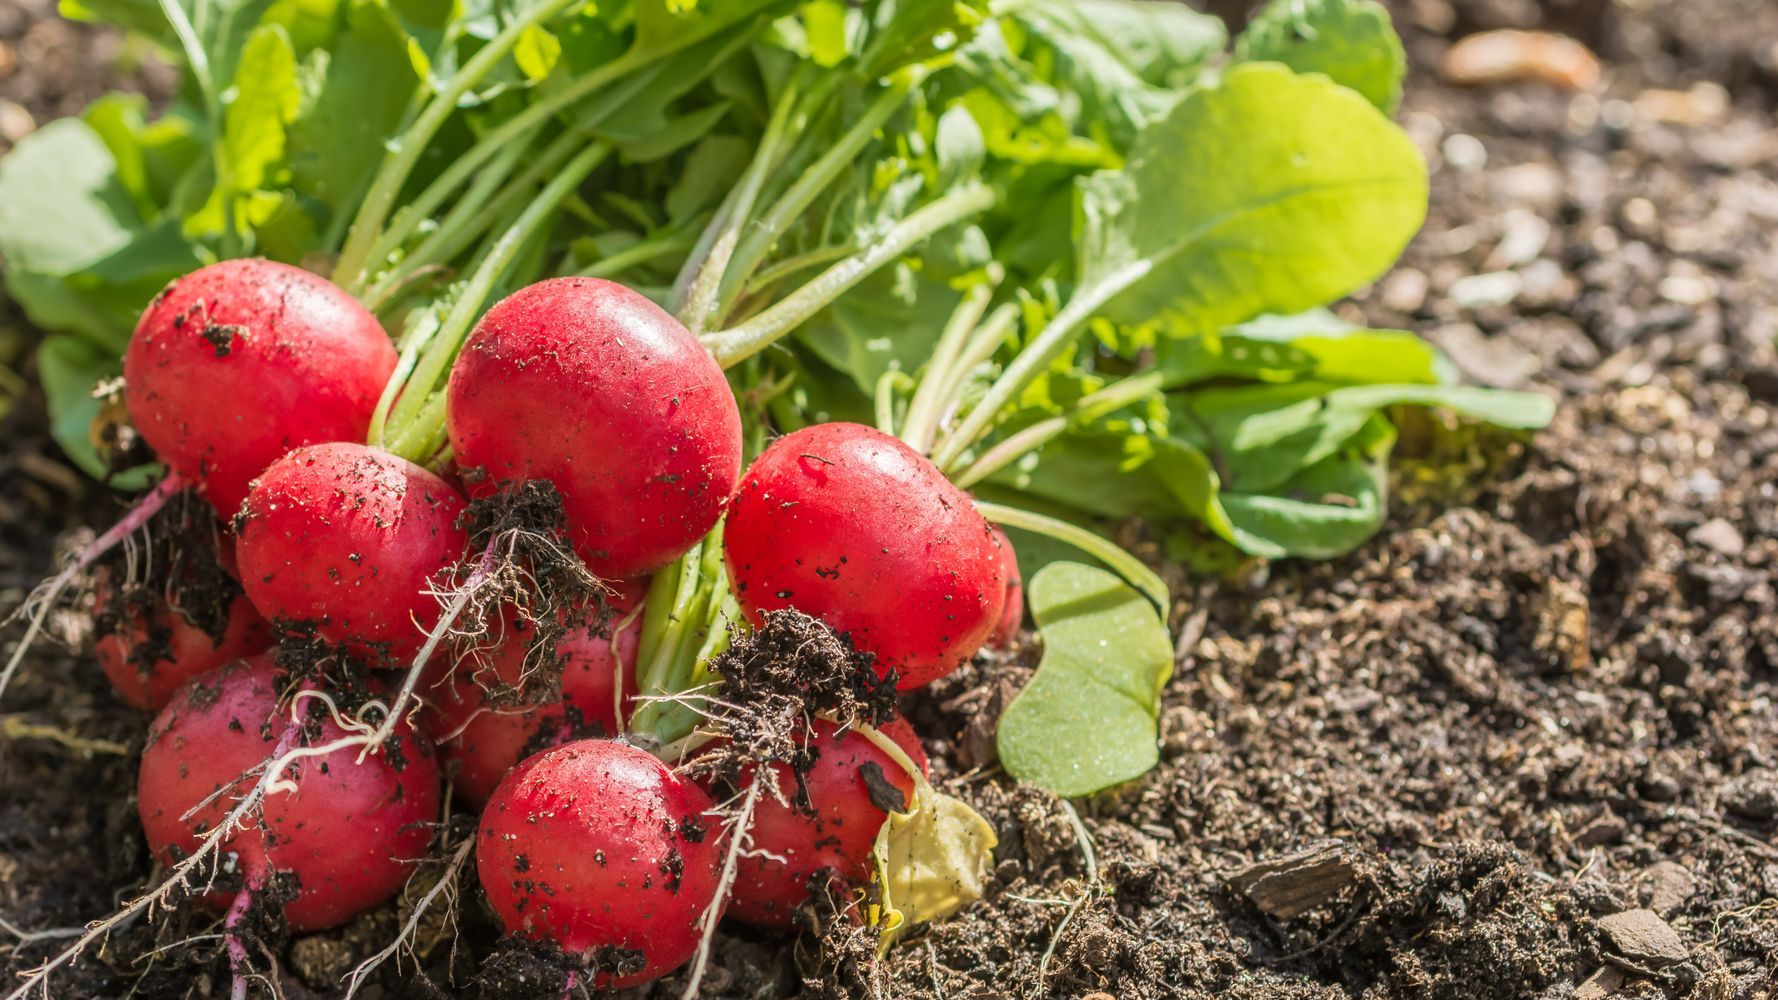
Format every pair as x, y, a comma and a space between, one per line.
1087, 719
1351, 41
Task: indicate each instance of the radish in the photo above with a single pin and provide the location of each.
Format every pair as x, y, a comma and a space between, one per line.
348, 539
827, 837
152, 640
591, 386
348, 832
1012, 613
851, 526
601, 849
235, 364
484, 728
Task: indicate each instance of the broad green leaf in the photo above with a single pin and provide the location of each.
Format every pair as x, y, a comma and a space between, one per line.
79, 258
824, 24
675, 135
1087, 719
1117, 64
1351, 41
1326, 510
1325, 195
62, 204
358, 95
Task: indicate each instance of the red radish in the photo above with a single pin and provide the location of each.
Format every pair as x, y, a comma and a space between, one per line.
349, 832
1012, 613
848, 786
598, 847
237, 363
591, 386
349, 538
851, 526
149, 647
487, 739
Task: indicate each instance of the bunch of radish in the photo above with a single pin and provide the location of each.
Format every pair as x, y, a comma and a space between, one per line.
307, 777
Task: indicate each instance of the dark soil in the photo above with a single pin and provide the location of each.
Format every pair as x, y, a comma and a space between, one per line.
1457, 763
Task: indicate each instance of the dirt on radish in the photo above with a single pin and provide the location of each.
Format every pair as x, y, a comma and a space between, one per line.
1459, 748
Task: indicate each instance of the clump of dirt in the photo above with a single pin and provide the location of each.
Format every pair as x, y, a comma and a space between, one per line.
774, 680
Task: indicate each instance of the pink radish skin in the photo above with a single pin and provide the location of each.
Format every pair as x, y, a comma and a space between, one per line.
838, 837
237, 363
591, 386
598, 847
180, 650
349, 833
1012, 613
350, 538
851, 526
487, 741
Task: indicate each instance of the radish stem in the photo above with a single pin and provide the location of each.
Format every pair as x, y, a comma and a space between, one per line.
1102, 549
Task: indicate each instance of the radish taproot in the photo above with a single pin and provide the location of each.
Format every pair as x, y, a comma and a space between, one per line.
600, 848
589, 385
348, 832
483, 729
235, 364
349, 540
823, 837
851, 526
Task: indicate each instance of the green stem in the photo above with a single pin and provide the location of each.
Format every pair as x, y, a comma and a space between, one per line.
704, 269
810, 183
198, 59
436, 360
465, 220
986, 340
640, 253
887, 385
1102, 549
778, 271
398, 164
1034, 359
764, 330
1090, 407
422, 327
928, 402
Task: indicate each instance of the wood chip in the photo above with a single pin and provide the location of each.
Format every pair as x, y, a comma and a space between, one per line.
1295, 883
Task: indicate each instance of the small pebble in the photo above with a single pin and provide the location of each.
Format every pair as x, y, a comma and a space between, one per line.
1718, 536
1665, 886
1753, 795
1464, 152
1644, 938
1482, 290
1405, 290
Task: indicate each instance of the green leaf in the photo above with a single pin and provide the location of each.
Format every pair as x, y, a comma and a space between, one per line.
1326, 510
1087, 719
357, 97
1351, 41
1271, 192
79, 258
267, 97
824, 24
1117, 64
537, 52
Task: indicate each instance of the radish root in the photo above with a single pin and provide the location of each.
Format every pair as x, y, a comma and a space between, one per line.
43, 600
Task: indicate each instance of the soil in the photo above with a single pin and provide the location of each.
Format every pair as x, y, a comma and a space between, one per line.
1524, 744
